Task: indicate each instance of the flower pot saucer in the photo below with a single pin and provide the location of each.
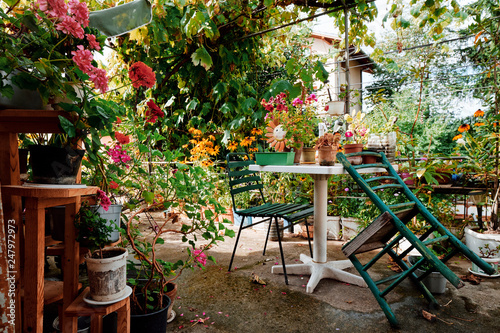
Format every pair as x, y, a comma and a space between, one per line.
172, 316
90, 301
484, 275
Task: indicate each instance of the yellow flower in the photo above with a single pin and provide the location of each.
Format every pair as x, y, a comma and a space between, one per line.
246, 142
232, 146
256, 131
479, 113
456, 137
478, 124
464, 128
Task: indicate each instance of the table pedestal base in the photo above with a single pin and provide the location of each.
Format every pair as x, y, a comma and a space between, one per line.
318, 271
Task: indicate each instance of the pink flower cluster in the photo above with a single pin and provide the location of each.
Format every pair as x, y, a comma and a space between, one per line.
200, 257
103, 200
70, 19
118, 154
280, 104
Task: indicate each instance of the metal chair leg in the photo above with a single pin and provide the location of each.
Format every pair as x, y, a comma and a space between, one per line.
267, 236
236, 244
281, 250
309, 239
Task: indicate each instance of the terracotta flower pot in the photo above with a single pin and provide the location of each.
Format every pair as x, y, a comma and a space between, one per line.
354, 148
327, 156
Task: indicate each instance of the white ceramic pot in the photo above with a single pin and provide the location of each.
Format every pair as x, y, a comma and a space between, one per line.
435, 282
108, 276
476, 241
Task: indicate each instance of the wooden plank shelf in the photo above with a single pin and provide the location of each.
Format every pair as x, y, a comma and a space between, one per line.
31, 121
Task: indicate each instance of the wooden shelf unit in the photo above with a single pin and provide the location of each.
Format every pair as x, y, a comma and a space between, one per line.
30, 237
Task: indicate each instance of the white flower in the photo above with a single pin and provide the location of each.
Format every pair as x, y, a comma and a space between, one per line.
461, 141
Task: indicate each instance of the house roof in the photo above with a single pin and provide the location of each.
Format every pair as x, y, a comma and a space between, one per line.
360, 56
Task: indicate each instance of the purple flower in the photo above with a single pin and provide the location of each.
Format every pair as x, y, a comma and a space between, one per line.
346, 189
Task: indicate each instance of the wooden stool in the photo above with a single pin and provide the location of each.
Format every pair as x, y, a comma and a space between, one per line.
79, 308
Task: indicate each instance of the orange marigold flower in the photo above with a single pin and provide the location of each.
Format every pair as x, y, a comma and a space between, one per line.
464, 128
456, 137
141, 75
479, 113
479, 124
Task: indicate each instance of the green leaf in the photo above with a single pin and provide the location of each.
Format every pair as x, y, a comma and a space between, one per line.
143, 148
202, 57
67, 126
148, 196
229, 233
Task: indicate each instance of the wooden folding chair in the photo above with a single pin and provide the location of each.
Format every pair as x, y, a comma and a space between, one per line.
389, 229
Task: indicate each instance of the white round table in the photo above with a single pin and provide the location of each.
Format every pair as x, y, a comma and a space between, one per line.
318, 268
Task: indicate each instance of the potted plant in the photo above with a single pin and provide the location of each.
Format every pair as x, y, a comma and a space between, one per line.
435, 281
477, 142
290, 124
48, 52
355, 136
327, 145
106, 267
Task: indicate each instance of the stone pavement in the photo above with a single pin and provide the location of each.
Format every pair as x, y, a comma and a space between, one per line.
218, 301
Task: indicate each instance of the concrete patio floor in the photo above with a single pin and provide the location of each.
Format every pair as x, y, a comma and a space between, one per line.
218, 301
230, 302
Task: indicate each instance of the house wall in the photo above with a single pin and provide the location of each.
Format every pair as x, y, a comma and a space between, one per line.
336, 77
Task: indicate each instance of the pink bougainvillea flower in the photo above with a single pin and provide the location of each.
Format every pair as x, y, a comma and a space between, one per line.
200, 257
93, 43
122, 138
141, 75
103, 200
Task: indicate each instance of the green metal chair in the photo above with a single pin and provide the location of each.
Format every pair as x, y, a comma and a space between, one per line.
243, 181
389, 229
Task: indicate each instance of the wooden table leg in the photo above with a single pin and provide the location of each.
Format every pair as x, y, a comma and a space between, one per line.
34, 266
70, 265
123, 318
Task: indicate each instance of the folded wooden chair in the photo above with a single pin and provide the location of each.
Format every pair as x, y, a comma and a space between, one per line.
241, 181
389, 229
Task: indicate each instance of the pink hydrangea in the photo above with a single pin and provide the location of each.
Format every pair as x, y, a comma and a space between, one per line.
200, 257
